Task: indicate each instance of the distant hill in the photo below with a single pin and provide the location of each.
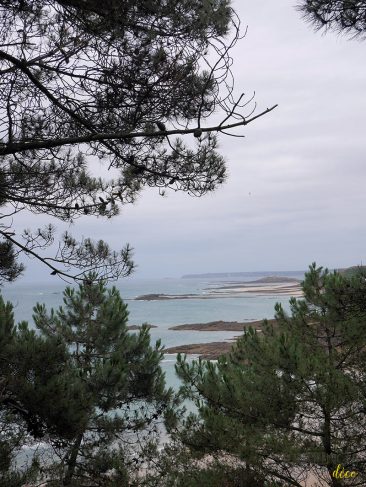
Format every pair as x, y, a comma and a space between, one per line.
351, 271
273, 279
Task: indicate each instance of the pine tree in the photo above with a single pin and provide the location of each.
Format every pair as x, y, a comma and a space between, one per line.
343, 16
10, 269
178, 466
35, 395
120, 80
291, 399
97, 402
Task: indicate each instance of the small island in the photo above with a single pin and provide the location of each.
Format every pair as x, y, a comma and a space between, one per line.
213, 350
207, 351
221, 325
160, 297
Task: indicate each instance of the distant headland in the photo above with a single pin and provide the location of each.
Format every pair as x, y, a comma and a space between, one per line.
225, 275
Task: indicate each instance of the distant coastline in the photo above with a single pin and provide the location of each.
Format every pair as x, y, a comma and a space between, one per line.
269, 285
225, 275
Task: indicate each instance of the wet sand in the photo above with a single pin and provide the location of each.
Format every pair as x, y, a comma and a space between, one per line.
232, 291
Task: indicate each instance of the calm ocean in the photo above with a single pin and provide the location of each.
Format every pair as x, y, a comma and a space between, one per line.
163, 313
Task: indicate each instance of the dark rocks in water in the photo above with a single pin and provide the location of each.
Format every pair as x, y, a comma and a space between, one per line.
160, 297
150, 297
138, 327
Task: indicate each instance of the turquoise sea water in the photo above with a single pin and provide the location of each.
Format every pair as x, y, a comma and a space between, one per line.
162, 313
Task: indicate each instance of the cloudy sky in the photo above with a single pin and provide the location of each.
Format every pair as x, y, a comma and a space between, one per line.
295, 192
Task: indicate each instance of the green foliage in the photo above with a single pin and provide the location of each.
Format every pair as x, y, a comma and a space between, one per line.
177, 466
343, 16
9, 268
31, 368
89, 79
293, 397
352, 271
84, 384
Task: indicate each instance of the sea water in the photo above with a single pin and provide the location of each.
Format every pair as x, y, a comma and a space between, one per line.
163, 313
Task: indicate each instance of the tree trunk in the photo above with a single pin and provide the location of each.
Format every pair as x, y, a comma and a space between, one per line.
328, 449
71, 463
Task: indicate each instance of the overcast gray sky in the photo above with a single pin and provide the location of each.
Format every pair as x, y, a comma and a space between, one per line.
295, 191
